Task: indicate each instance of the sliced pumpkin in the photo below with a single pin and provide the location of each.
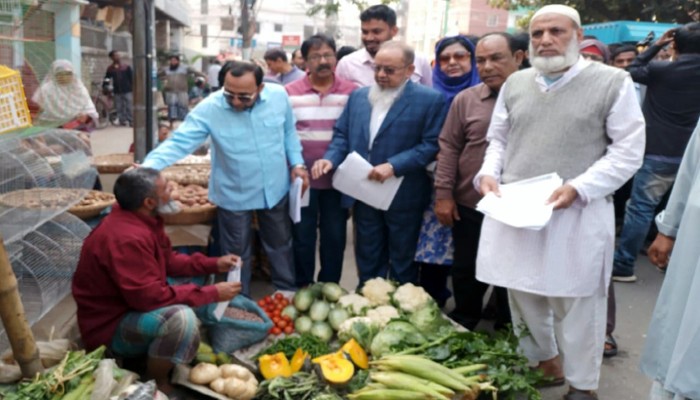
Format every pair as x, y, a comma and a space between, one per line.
337, 354
357, 354
272, 366
298, 360
335, 370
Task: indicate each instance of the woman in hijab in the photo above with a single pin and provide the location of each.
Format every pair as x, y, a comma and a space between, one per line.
64, 100
594, 50
454, 70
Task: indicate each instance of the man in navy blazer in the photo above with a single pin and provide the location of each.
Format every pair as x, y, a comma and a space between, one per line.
393, 124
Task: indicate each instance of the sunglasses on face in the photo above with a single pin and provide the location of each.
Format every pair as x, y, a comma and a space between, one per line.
387, 70
458, 56
242, 97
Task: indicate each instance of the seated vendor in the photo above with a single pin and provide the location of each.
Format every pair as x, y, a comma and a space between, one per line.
120, 287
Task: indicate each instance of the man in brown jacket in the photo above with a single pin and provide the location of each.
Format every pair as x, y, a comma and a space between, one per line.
462, 148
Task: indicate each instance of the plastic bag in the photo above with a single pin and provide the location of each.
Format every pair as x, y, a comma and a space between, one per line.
104, 380
229, 335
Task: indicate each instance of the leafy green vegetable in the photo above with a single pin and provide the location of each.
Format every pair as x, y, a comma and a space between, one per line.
363, 331
430, 322
288, 345
308, 386
397, 336
508, 368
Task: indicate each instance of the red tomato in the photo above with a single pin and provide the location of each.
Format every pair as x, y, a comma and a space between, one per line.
261, 303
285, 303
279, 296
277, 313
281, 323
289, 329
276, 331
267, 299
286, 318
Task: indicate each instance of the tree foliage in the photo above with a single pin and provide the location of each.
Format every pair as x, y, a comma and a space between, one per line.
332, 7
679, 11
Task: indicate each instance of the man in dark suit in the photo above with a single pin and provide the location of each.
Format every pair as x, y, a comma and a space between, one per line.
394, 124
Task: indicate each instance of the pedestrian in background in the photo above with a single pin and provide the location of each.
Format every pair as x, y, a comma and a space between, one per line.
121, 78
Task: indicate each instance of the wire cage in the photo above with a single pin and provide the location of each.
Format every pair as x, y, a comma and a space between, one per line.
44, 261
41, 176
14, 111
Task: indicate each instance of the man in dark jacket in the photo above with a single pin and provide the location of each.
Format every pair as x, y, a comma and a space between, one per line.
671, 110
121, 77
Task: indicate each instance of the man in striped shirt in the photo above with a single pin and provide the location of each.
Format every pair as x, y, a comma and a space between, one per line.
318, 100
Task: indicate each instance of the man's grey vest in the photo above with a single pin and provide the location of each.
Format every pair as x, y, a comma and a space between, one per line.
560, 131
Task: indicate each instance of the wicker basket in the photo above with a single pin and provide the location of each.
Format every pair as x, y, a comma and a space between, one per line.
188, 175
113, 163
44, 198
93, 210
191, 216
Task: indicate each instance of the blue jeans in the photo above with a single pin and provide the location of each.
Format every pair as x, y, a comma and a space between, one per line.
650, 184
236, 236
325, 214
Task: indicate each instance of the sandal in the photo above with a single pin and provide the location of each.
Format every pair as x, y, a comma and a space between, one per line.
610, 346
551, 381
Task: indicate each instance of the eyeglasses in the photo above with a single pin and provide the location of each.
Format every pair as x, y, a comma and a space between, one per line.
458, 56
387, 70
242, 97
318, 57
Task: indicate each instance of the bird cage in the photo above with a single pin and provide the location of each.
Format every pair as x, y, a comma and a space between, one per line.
14, 111
41, 177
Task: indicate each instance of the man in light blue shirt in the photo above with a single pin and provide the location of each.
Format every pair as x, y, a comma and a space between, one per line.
255, 150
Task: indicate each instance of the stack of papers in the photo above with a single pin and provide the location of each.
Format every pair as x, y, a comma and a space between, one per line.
350, 178
522, 204
297, 200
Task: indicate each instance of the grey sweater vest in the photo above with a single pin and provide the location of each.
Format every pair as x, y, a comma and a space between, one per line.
560, 131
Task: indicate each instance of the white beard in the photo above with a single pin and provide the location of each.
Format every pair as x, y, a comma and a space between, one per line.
384, 98
168, 208
552, 65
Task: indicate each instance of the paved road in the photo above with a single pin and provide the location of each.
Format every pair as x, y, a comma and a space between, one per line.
620, 376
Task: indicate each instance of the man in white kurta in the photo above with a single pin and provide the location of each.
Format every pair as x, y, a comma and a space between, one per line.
581, 120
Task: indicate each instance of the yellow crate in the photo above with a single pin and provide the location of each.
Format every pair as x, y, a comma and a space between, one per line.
14, 112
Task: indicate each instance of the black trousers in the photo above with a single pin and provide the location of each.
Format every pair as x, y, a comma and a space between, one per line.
468, 291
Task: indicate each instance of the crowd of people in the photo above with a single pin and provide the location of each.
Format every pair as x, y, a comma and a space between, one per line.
599, 117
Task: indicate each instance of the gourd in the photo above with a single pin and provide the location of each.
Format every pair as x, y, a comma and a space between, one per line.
272, 366
204, 373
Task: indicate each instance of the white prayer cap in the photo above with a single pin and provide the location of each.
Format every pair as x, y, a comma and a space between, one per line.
561, 10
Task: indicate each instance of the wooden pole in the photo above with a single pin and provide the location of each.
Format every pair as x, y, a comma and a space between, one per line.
14, 320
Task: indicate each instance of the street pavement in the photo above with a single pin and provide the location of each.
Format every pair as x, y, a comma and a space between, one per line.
620, 377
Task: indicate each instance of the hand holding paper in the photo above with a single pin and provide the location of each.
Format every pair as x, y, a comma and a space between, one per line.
229, 289
352, 178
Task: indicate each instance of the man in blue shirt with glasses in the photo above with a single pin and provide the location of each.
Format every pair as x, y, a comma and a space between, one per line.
255, 153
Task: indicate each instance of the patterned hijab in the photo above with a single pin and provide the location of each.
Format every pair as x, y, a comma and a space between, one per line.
450, 87
63, 102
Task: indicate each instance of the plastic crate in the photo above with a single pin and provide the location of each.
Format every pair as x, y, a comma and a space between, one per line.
14, 112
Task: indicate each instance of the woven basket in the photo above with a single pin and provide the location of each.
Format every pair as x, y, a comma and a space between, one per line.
191, 216
46, 198
113, 163
188, 174
93, 210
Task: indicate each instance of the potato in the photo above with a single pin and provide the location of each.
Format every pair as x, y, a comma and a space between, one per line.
204, 373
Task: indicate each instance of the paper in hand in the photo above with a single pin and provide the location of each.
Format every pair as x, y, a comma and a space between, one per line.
234, 275
350, 178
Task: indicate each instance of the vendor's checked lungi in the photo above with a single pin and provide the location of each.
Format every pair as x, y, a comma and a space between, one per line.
166, 333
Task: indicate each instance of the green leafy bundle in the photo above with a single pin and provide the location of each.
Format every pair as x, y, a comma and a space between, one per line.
288, 345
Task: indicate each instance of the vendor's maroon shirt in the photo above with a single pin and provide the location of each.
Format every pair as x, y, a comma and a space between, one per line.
123, 267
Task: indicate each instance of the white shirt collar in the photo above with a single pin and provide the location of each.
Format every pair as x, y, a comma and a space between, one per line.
575, 69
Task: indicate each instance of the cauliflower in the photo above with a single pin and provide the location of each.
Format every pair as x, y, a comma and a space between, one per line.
354, 303
382, 315
378, 291
411, 298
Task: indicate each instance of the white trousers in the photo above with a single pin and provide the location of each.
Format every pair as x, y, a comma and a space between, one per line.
573, 327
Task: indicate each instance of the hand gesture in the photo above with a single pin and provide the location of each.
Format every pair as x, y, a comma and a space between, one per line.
227, 262
487, 185
563, 197
660, 250
381, 172
300, 172
446, 211
228, 290
320, 168
666, 38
